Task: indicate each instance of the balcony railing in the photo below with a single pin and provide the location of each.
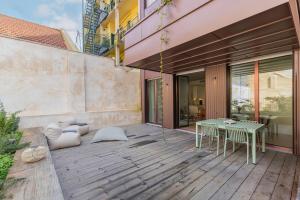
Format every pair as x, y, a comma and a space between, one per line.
110, 6
129, 25
104, 42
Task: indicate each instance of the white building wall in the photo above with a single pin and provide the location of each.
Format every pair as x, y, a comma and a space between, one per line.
49, 84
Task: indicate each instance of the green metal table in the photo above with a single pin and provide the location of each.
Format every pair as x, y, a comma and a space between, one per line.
252, 128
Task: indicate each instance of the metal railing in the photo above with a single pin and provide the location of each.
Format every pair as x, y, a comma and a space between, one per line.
129, 25
103, 43
108, 7
94, 14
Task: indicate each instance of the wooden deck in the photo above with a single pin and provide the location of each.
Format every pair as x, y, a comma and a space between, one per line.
145, 167
37, 180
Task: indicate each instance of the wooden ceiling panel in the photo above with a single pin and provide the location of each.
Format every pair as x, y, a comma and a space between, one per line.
232, 59
269, 32
275, 38
285, 29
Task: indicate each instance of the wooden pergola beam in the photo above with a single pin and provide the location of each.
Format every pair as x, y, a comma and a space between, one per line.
295, 15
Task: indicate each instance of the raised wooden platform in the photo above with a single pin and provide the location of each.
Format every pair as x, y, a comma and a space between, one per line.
38, 181
145, 167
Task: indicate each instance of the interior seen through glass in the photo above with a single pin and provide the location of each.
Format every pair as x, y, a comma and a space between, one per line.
154, 101
191, 99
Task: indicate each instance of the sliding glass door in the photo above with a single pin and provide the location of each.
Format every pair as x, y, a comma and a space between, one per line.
276, 99
183, 100
263, 91
154, 101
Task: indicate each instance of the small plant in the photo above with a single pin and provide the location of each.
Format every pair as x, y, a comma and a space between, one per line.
6, 162
9, 134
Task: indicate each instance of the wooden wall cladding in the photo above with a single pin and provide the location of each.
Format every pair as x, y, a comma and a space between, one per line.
216, 91
296, 139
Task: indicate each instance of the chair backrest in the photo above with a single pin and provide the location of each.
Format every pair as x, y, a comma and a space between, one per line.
236, 134
210, 129
250, 121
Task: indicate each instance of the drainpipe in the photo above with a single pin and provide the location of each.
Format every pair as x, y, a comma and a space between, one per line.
117, 28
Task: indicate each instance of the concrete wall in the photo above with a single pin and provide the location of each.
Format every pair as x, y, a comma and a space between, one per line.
50, 84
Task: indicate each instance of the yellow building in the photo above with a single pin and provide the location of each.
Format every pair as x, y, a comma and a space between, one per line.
105, 24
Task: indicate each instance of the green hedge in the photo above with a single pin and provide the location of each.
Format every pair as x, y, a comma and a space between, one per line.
6, 161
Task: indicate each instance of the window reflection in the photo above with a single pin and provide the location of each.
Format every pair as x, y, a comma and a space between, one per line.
276, 99
242, 92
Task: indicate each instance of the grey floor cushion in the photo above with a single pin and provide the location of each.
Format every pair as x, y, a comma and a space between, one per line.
109, 134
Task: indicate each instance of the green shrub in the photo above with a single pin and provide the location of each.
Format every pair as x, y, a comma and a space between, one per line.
6, 161
9, 134
9, 123
10, 138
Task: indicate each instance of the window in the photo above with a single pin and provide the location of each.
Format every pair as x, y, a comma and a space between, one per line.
149, 2
154, 101
242, 91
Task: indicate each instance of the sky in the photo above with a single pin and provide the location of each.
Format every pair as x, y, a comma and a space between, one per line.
62, 14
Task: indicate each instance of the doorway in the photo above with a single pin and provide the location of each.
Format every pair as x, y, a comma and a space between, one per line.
190, 99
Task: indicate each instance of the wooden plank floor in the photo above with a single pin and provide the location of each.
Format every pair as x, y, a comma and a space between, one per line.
147, 167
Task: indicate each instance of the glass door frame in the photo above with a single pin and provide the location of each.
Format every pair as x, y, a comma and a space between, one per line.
257, 87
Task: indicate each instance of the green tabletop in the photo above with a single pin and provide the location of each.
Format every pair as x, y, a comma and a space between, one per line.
252, 128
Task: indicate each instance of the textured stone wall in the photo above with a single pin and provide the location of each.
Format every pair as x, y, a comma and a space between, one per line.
50, 84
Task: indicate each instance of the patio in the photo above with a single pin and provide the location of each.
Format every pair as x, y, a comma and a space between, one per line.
146, 167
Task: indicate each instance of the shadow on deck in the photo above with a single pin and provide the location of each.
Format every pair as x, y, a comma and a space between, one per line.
145, 167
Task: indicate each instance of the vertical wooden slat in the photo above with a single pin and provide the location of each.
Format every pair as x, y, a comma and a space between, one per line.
256, 90
296, 138
168, 101
216, 91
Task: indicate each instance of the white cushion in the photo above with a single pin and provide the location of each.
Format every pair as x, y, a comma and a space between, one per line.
67, 140
82, 130
64, 124
52, 134
110, 133
57, 139
34, 154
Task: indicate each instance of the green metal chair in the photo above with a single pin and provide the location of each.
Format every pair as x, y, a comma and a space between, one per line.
212, 131
259, 140
236, 135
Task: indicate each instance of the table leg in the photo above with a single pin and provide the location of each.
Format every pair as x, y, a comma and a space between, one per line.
254, 148
263, 141
197, 136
